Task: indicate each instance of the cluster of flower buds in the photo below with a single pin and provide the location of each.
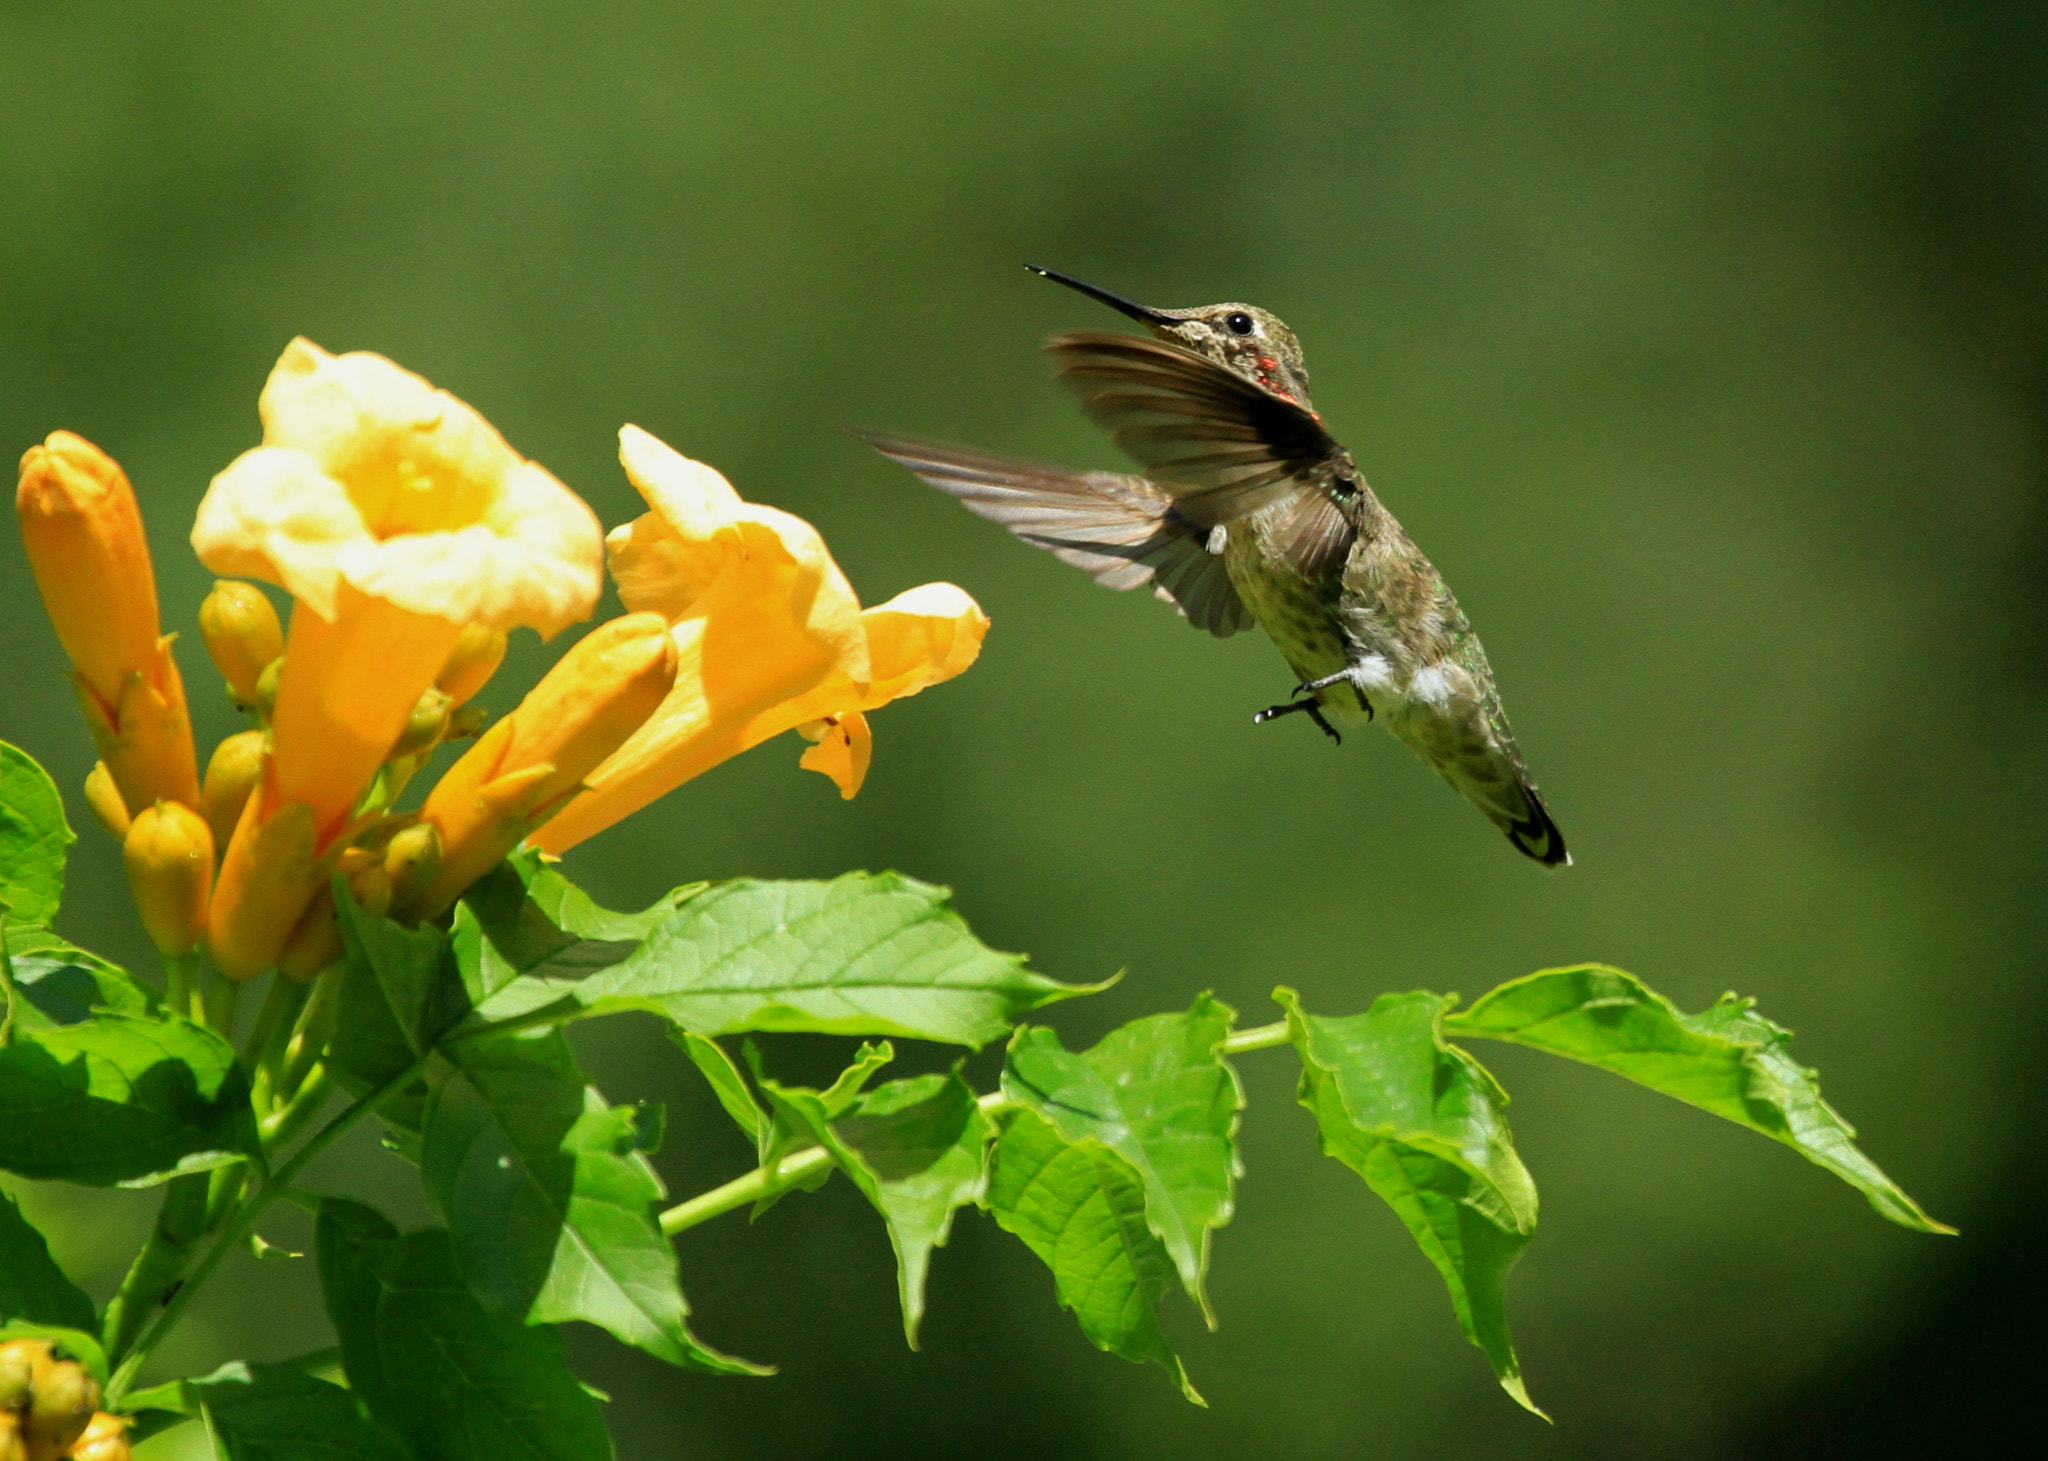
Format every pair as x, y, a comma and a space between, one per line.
411, 540
49, 1407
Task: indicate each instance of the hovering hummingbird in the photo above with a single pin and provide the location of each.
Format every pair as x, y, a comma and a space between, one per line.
1250, 511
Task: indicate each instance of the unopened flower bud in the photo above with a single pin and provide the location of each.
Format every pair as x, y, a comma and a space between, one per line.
424, 726
476, 657
11, 1445
528, 764
268, 679
466, 721
105, 800
236, 767
63, 1399
315, 942
83, 533
105, 1439
242, 634
371, 888
169, 852
412, 860
17, 1370
268, 876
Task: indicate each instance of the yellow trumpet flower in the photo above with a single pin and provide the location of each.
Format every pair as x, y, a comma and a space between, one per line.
83, 532
769, 638
395, 515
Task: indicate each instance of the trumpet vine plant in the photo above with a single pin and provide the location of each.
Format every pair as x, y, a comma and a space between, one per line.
414, 962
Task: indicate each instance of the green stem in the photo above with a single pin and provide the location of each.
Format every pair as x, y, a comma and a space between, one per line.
222, 995
278, 1184
285, 1123
181, 984
764, 1182
180, 1224
1258, 1037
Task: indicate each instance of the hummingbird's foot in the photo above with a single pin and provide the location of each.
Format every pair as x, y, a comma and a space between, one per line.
1299, 707
1309, 687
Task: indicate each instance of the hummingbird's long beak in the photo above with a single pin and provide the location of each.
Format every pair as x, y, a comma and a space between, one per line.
1144, 314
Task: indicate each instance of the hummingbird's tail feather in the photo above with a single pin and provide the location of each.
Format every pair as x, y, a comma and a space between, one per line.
1533, 833
1479, 759
1120, 530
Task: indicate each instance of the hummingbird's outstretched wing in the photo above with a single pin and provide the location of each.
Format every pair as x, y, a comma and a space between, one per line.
1120, 530
1223, 445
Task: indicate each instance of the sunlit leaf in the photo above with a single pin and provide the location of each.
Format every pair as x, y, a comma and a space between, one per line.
449, 1378
1729, 1060
914, 1149
550, 1200
863, 954
727, 1084
1423, 1123
32, 1286
1159, 1094
1081, 1209
121, 1100
33, 836
61, 984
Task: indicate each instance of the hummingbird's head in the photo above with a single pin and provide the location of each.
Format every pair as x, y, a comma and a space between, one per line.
1242, 338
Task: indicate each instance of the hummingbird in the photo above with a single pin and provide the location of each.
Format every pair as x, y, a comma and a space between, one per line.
1249, 511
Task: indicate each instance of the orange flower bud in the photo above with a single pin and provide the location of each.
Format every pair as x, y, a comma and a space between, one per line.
477, 654
412, 860
11, 1447
314, 943
236, 767
268, 876
85, 545
529, 763
242, 633
169, 852
58, 1403
86, 548
424, 726
105, 1439
105, 800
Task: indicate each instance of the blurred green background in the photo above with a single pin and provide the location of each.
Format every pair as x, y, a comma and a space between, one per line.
1701, 346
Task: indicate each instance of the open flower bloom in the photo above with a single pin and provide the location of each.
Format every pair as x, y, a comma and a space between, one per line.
83, 532
395, 515
769, 638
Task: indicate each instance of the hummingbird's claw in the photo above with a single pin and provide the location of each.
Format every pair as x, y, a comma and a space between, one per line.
1299, 707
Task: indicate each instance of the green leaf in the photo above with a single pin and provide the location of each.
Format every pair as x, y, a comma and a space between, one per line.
1081, 1209
61, 984
399, 993
861, 955
121, 1101
789, 1126
70, 1343
1728, 1060
524, 932
915, 1149
277, 1413
550, 1199
1159, 1094
32, 1286
1422, 1122
431, 1364
33, 836
726, 1082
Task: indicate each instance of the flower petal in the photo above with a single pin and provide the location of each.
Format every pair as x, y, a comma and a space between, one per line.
844, 748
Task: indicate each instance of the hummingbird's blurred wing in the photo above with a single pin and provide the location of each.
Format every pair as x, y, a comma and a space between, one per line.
1223, 446
1120, 530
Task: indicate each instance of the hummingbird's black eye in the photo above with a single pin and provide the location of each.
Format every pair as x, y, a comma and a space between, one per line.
1239, 322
